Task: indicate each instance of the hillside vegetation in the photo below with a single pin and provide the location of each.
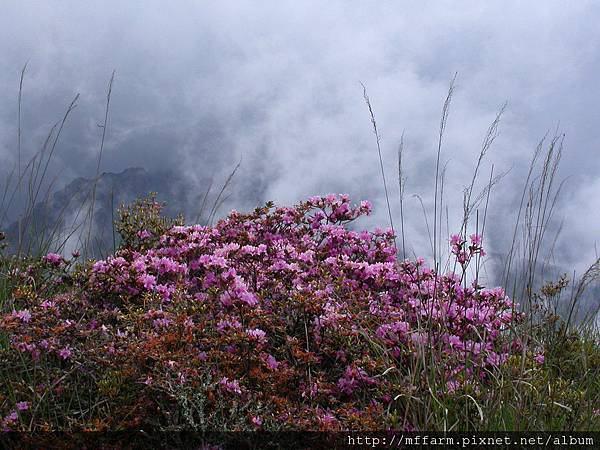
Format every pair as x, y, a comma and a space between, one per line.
282, 318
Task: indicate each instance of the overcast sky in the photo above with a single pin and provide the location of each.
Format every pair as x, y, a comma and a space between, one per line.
200, 85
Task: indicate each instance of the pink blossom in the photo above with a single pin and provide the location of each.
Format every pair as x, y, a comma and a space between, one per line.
475, 239
165, 290
148, 281
11, 417
248, 298
455, 240
256, 421
258, 335
162, 323
53, 258
23, 406
24, 315
100, 266
327, 417
65, 353
144, 234
366, 205
352, 379
225, 324
272, 363
232, 386
139, 265
166, 265
47, 304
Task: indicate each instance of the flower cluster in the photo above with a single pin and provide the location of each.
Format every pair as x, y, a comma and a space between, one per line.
464, 252
278, 313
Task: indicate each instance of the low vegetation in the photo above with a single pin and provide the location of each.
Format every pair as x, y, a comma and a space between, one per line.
282, 318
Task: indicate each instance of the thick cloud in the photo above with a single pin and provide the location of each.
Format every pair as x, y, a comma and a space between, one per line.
200, 84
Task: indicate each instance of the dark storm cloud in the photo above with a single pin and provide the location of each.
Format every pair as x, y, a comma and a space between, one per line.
201, 84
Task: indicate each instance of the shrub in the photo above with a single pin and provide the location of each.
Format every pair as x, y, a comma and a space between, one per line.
142, 223
281, 318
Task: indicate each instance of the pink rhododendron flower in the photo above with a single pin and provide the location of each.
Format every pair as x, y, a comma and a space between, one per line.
475, 239
53, 258
258, 335
23, 406
10, 419
162, 323
148, 281
455, 240
327, 417
256, 421
24, 315
47, 304
139, 265
100, 267
272, 363
232, 386
65, 353
165, 291
144, 234
352, 379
